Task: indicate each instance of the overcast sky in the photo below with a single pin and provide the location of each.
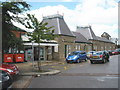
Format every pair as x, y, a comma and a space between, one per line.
102, 15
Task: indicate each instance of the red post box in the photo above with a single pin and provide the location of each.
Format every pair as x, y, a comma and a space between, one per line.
8, 58
19, 57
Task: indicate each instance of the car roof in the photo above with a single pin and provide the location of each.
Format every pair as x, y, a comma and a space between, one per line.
91, 51
79, 51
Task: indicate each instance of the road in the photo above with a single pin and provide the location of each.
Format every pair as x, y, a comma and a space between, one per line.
82, 75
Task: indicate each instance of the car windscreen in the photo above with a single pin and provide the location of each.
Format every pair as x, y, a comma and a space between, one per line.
98, 53
3, 76
91, 52
74, 53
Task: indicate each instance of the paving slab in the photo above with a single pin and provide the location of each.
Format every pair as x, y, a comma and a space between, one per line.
27, 73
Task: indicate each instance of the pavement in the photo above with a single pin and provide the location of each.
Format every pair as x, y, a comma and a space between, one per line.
29, 70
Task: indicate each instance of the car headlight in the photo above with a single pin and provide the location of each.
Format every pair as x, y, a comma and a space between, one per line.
75, 57
9, 70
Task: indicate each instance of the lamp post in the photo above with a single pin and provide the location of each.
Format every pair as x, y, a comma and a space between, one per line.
33, 54
116, 40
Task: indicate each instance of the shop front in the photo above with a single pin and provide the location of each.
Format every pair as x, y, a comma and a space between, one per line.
46, 51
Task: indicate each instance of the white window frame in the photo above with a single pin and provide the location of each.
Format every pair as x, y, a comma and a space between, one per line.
56, 49
76, 47
79, 47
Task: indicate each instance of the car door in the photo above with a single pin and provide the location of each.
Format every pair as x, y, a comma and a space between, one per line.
82, 55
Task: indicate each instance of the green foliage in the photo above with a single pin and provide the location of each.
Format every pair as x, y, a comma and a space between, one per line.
10, 11
41, 31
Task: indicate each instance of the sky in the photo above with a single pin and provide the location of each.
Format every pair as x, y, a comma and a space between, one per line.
102, 15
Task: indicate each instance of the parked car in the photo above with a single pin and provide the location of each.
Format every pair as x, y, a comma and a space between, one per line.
10, 68
114, 52
110, 52
5, 80
118, 50
89, 54
99, 56
76, 56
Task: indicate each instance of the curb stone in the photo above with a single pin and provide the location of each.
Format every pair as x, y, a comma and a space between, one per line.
32, 75
28, 82
52, 72
22, 83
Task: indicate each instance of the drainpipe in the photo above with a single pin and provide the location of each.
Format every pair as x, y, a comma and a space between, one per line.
33, 54
92, 46
85, 47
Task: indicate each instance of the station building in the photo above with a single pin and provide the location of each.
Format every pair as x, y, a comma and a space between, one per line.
83, 38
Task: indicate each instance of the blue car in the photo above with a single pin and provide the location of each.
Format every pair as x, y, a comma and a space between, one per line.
76, 56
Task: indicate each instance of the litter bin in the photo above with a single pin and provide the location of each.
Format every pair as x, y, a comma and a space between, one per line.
8, 58
19, 57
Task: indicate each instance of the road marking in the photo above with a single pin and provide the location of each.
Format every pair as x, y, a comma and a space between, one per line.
81, 65
101, 80
65, 68
52, 66
90, 74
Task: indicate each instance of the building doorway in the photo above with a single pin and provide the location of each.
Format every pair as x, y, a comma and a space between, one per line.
42, 53
67, 50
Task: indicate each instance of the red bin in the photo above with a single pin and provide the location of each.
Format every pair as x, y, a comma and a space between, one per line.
19, 57
8, 58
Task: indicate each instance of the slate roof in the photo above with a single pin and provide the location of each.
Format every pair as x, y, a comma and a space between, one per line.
87, 32
104, 39
105, 34
114, 40
59, 24
80, 38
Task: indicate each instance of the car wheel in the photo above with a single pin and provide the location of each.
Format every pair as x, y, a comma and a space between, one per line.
67, 62
91, 62
78, 61
86, 59
104, 60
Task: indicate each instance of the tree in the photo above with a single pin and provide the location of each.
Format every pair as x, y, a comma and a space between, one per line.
41, 32
10, 11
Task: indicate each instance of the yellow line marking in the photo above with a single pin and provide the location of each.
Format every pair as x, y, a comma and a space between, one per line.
65, 68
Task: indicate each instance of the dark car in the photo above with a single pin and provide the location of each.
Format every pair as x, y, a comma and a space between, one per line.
5, 80
76, 56
100, 56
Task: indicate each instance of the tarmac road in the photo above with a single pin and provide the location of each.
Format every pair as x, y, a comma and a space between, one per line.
82, 75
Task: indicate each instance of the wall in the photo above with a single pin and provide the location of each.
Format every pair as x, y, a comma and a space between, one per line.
70, 42
101, 45
18, 33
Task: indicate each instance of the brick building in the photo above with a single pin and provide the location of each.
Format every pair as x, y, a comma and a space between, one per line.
67, 41
99, 43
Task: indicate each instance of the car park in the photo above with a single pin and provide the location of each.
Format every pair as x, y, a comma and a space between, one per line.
10, 68
100, 56
5, 79
76, 56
